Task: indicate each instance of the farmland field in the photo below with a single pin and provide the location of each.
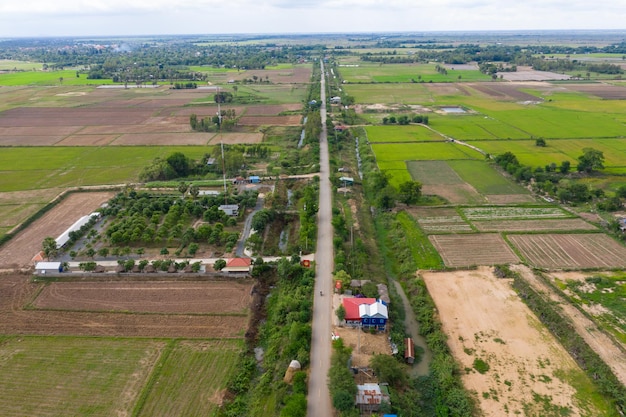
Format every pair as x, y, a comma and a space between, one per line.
54, 376
473, 249
212, 297
406, 73
485, 179
412, 133
192, 379
500, 213
438, 178
523, 368
532, 225
572, 251
440, 220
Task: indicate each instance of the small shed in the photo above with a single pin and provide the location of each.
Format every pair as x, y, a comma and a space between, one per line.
409, 350
238, 265
42, 268
369, 397
254, 179
335, 100
230, 209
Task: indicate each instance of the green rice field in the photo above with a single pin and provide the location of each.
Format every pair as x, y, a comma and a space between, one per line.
48, 167
394, 133
73, 376
484, 178
406, 73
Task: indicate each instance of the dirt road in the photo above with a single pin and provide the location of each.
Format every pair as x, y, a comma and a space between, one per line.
319, 403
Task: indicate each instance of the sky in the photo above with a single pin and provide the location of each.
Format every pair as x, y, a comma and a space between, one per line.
26, 18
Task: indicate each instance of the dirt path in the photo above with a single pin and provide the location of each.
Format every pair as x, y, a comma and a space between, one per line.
610, 352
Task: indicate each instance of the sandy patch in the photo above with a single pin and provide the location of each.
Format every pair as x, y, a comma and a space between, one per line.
485, 320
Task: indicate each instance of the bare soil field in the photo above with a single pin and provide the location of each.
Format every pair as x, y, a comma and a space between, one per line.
528, 74
172, 125
473, 249
159, 139
604, 91
16, 291
571, 251
435, 220
509, 198
298, 75
364, 345
272, 109
235, 138
86, 140
532, 225
294, 120
202, 297
455, 193
51, 116
504, 91
485, 321
19, 251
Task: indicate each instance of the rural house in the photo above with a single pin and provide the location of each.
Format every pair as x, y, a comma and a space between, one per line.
42, 268
369, 397
238, 266
365, 312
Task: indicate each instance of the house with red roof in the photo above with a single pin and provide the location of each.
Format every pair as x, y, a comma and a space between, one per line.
238, 265
366, 312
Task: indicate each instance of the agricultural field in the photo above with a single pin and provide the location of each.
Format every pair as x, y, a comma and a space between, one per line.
407, 73
191, 380
512, 212
170, 297
545, 225
100, 376
570, 251
440, 220
473, 249
485, 179
511, 361
411, 133
438, 178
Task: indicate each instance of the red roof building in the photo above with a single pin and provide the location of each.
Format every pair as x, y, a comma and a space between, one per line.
241, 265
351, 305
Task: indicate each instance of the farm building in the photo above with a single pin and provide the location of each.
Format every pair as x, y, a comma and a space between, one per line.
365, 312
335, 100
65, 236
208, 192
254, 179
42, 268
230, 209
238, 265
369, 397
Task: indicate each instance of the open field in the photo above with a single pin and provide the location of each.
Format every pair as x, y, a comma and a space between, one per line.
532, 225
485, 179
473, 249
22, 248
192, 380
53, 376
406, 73
510, 360
17, 291
512, 212
571, 251
411, 133
210, 297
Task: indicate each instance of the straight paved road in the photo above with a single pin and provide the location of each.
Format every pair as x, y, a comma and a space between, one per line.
319, 403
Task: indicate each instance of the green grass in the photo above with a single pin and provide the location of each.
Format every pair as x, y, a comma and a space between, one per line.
472, 127
433, 173
390, 93
406, 73
484, 178
10, 65
43, 78
190, 380
72, 376
395, 133
424, 253
423, 152
609, 291
47, 167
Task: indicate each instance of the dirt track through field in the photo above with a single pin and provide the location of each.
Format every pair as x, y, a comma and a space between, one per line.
610, 352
